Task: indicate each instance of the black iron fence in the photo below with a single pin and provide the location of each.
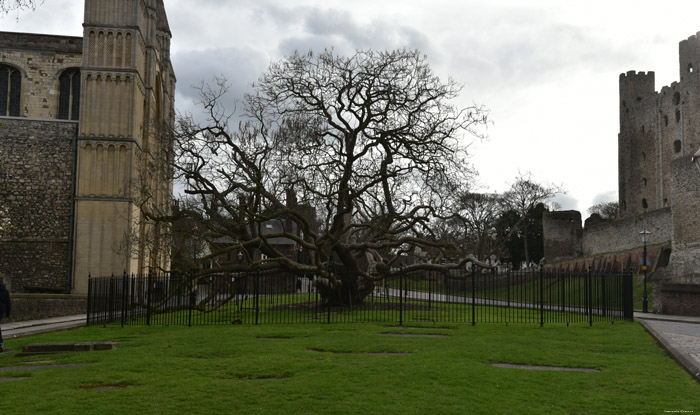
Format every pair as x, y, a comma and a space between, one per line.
534, 296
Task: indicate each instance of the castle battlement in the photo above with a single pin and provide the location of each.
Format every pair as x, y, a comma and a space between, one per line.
636, 74
694, 37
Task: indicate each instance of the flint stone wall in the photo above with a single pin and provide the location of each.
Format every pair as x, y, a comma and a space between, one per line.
39, 306
36, 187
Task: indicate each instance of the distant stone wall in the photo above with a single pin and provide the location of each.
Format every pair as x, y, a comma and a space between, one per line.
562, 230
38, 306
623, 234
36, 185
564, 237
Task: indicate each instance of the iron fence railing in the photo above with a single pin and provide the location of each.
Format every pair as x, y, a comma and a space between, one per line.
533, 296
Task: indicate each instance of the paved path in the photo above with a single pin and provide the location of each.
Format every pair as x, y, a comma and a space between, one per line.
29, 328
679, 335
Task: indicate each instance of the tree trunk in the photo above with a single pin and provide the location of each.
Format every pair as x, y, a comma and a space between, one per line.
351, 291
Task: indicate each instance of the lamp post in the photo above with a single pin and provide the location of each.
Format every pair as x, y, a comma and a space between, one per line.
645, 303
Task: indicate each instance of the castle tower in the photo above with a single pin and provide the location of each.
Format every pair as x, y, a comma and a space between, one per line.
127, 90
637, 151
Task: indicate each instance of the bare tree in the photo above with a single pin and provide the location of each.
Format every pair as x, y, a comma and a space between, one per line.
523, 196
7, 6
359, 156
472, 228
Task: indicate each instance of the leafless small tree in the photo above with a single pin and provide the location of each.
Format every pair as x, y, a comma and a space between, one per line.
606, 210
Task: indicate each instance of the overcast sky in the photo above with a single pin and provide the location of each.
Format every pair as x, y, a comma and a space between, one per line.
546, 69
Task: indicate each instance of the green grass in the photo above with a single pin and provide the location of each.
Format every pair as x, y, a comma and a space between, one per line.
208, 370
638, 288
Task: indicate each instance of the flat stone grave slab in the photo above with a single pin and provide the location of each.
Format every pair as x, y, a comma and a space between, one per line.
535, 367
12, 379
42, 367
48, 348
412, 335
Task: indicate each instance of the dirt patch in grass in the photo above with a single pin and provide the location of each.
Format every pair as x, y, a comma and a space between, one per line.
41, 367
263, 378
103, 387
361, 353
38, 362
412, 335
421, 328
13, 379
535, 367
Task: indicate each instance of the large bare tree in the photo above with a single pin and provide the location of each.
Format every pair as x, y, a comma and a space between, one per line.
362, 154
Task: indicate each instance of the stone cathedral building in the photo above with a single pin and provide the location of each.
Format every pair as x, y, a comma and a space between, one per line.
84, 127
659, 188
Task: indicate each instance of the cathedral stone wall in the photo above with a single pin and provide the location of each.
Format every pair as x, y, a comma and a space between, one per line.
41, 59
36, 186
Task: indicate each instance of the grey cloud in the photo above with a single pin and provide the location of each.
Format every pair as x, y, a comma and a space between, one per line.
324, 28
529, 48
609, 196
240, 67
565, 202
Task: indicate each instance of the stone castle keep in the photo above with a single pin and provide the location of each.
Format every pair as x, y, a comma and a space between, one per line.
659, 188
83, 130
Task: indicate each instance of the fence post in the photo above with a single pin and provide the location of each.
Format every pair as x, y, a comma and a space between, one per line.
604, 303
124, 292
430, 289
193, 300
628, 294
90, 301
541, 295
474, 296
590, 295
562, 285
400, 295
328, 299
256, 294
148, 296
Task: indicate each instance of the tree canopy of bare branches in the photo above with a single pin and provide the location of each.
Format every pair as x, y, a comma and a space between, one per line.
357, 156
7, 6
606, 210
523, 196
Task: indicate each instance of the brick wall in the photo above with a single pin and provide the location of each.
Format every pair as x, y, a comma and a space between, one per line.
677, 299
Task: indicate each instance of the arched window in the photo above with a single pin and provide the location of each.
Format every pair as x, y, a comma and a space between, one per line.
69, 94
10, 91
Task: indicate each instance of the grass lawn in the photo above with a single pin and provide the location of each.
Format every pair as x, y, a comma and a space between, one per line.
327, 369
